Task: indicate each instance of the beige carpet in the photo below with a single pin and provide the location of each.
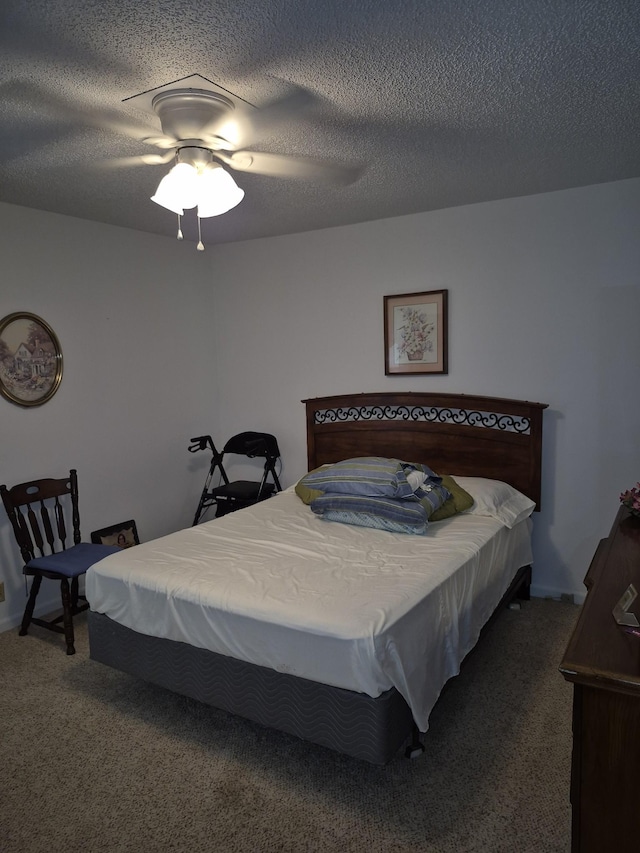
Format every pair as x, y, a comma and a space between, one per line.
94, 760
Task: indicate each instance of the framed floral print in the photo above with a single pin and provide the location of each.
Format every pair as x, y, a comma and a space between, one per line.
415, 333
30, 360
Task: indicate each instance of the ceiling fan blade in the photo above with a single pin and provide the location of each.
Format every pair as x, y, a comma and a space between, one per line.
51, 106
253, 123
280, 166
26, 37
21, 142
136, 160
245, 124
289, 107
161, 141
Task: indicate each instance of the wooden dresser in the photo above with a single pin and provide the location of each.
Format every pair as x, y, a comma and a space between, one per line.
603, 663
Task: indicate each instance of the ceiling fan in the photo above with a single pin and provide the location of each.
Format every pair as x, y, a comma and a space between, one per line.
204, 131
209, 120
207, 131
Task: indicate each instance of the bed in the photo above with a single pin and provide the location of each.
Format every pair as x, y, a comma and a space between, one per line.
338, 634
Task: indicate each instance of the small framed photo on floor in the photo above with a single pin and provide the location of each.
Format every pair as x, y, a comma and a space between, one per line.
124, 535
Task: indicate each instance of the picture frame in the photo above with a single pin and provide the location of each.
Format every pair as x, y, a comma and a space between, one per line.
30, 359
416, 333
124, 534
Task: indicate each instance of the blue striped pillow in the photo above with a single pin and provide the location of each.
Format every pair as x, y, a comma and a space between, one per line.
374, 476
370, 519
408, 513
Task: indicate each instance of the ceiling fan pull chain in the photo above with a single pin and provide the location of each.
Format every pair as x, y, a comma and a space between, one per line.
179, 229
200, 246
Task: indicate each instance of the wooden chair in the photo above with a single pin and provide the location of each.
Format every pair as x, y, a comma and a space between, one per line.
41, 512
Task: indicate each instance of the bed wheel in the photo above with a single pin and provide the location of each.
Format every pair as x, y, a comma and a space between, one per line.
414, 750
416, 747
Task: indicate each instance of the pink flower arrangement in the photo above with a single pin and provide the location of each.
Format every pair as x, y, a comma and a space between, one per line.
631, 499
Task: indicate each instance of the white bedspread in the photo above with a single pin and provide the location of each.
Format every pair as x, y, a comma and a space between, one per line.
347, 606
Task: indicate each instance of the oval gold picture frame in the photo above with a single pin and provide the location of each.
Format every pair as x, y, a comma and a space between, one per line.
30, 359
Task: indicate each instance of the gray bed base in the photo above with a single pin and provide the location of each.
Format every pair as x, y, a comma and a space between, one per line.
351, 723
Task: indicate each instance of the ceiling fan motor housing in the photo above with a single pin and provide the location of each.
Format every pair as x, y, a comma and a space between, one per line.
186, 114
194, 155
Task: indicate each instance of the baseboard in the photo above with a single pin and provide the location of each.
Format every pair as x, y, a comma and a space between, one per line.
45, 606
578, 596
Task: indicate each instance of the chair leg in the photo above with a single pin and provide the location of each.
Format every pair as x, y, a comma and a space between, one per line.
74, 594
67, 618
31, 603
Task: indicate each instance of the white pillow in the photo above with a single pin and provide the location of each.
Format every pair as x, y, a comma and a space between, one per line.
497, 500
416, 479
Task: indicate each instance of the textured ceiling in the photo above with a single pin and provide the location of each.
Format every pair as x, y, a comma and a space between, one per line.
442, 102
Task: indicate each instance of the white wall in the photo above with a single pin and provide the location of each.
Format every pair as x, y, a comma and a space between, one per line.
544, 302
133, 313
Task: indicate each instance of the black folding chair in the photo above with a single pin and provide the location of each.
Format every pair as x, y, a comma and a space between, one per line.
229, 496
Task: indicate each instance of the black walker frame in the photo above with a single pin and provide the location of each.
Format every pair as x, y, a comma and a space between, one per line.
230, 496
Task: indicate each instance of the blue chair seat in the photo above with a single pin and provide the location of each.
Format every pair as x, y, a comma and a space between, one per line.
74, 561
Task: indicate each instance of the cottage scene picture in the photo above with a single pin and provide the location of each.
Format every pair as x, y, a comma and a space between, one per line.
30, 360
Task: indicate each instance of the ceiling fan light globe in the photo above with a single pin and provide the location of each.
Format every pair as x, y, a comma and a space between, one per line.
218, 192
178, 191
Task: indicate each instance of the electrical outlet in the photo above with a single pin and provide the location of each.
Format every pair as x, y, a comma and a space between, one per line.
1, 592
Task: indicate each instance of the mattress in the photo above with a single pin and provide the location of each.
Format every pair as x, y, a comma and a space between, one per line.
351, 607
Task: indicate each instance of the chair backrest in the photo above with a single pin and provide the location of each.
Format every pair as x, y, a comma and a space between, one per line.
253, 444
37, 511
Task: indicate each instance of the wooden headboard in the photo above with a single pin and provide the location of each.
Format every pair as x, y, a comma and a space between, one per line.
452, 433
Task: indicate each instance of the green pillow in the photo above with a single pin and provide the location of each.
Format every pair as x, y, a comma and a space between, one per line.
459, 501
306, 493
